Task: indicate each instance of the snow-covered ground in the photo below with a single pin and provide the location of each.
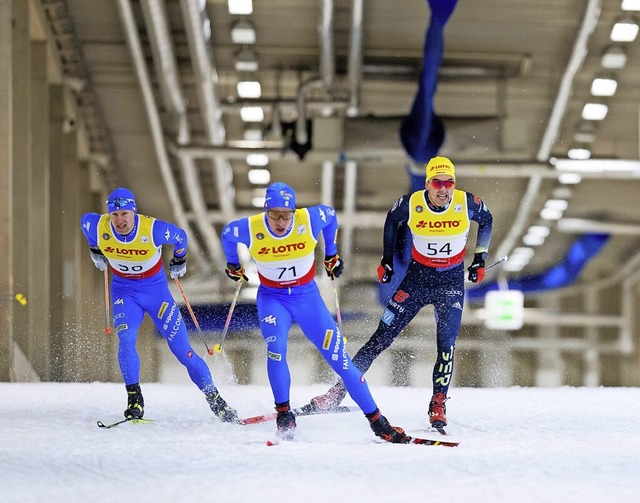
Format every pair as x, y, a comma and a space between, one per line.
517, 445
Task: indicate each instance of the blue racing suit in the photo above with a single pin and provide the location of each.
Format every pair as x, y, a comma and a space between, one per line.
288, 292
432, 277
139, 285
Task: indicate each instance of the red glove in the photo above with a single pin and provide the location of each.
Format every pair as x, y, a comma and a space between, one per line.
476, 269
385, 270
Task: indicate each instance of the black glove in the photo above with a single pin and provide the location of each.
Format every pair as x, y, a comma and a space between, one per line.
385, 270
476, 269
236, 272
178, 267
333, 265
99, 260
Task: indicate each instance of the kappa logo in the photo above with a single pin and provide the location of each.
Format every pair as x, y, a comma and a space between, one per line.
119, 301
457, 306
271, 320
167, 234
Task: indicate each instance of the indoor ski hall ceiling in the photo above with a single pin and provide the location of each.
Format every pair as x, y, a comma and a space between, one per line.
158, 86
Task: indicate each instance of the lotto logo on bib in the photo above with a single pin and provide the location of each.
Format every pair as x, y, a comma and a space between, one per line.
438, 224
125, 251
281, 249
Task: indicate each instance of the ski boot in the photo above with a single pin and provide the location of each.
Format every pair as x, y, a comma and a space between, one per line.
438, 411
286, 421
135, 402
330, 400
381, 427
220, 408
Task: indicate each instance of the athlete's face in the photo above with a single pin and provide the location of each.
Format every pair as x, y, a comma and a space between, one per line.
440, 189
122, 221
279, 220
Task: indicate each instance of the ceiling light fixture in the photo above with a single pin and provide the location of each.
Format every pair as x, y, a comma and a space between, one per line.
625, 29
585, 132
240, 7
246, 61
257, 159
598, 166
549, 214
536, 235
556, 204
561, 193
257, 201
243, 32
631, 5
539, 230
594, 111
531, 240
259, 176
252, 114
604, 85
253, 134
569, 178
579, 153
614, 57
249, 89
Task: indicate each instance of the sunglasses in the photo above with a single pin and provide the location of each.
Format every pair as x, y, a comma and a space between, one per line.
280, 215
438, 184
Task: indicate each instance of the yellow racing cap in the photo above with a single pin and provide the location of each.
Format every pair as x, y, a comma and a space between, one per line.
440, 166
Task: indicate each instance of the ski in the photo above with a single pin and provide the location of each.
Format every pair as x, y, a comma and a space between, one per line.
426, 441
411, 440
299, 411
128, 420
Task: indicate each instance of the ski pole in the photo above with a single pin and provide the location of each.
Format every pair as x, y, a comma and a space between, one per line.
193, 317
502, 259
107, 303
338, 315
218, 347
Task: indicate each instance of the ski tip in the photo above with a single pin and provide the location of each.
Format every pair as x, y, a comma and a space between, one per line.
270, 443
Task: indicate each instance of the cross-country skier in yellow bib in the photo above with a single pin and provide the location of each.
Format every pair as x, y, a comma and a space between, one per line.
130, 245
438, 218
282, 241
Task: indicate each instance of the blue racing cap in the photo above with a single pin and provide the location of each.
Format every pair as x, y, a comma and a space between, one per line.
121, 199
280, 195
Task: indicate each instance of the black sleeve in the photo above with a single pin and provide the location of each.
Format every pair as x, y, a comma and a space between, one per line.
396, 216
